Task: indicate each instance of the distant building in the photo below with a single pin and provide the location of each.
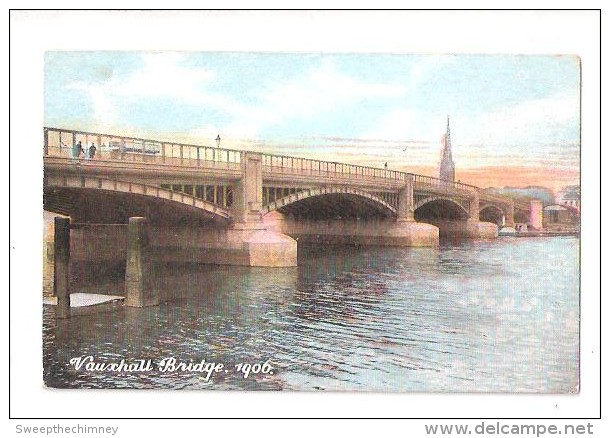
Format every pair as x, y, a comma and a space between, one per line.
560, 217
447, 167
569, 196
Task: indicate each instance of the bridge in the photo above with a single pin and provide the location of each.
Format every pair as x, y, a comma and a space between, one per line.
237, 207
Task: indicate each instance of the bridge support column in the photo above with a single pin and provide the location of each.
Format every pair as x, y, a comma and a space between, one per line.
248, 241
406, 231
406, 212
475, 229
536, 214
61, 272
247, 204
139, 288
410, 233
473, 210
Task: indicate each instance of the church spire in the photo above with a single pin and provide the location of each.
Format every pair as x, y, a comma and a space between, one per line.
447, 167
448, 134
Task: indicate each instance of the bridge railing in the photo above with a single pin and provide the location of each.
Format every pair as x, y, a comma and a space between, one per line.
422, 181
62, 143
286, 164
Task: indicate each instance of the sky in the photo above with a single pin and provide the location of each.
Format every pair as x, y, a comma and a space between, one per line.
515, 119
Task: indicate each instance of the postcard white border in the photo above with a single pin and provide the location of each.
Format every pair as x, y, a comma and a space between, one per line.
526, 32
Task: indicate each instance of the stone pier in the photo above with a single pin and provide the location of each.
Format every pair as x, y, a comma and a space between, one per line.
189, 244
248, 241
379, 232
466, 229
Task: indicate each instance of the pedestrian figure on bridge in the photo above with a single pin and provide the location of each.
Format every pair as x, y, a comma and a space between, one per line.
92, 150
77, 149
385, 166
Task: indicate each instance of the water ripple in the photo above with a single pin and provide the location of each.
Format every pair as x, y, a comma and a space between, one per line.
474, 317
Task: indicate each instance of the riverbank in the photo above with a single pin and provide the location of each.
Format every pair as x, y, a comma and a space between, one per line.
543, 233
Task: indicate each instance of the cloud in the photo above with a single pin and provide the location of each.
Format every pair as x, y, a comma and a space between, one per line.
322, 90
322, 103
161, 75
393, 125
426, 65
105, 111
535, 131
325, 89
538, 121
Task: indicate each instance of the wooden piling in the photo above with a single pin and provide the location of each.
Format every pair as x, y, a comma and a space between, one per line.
61, 272
139, 288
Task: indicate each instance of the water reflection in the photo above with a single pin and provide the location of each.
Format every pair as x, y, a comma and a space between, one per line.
478, 316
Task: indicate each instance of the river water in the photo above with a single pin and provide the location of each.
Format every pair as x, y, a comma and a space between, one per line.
475, 316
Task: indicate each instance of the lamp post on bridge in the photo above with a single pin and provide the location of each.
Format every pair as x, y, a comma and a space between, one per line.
218, 141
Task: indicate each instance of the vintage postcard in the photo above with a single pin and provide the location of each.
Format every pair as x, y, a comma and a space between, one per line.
311, 221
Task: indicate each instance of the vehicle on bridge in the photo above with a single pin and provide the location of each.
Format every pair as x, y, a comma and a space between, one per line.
134, 147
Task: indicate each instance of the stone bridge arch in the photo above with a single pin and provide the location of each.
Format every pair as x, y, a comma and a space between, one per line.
90, 197
342, 201
492, 213
440, 207
522, 216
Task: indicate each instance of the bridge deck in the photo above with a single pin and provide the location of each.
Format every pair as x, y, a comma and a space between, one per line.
129, 155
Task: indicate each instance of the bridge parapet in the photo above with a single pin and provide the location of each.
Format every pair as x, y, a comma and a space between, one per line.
61, 143
312, 167
297, 166
429, 182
